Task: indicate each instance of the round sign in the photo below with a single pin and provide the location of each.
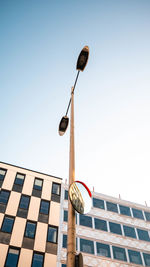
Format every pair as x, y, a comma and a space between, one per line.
80, 197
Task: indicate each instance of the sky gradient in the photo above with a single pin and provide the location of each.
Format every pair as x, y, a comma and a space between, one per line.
39, 45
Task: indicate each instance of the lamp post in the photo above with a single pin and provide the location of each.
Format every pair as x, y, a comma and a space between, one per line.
71, 240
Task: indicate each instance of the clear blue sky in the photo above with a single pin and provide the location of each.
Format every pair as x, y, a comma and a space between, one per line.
39, 44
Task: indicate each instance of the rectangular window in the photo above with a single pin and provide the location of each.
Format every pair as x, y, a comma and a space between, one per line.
100, 224
98, 203
24, 202
7, 225
103, 250
143, 235
44, 207
147, 215
4, 196
129, 231
111, 206
38, 184
30, 229
66, 194
87, 246
19, 179
65, 216
134, 257
63, 265
64, 244
119, 253
125, 210
12, 257
2, 174
137, 214
146, 259
85, 220
52, 234
37, 260
115, 228
56, 189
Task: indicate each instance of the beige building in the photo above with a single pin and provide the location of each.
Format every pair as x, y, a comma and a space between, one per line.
29, 217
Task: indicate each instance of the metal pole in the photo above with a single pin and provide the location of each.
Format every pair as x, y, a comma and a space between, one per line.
71, 243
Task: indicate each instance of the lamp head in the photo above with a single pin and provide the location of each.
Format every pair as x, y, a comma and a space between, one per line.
63, 125
83, 58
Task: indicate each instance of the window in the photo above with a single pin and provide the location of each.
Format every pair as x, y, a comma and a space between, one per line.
135, 257
44, 207
98, 203
52, 234
30, 229
64, 244
86, 246
24, 202
4, 195
115, 228
63, 265
137, 214
66, 194
125, 210
111, 206
19, 179
37, 260
143, 235
7, 224
100, 224
129, 231
38, 184
86, 220
146, 259
119, 253
12, 257
2, 174
56, 189
147, 215
65, 216
103, 250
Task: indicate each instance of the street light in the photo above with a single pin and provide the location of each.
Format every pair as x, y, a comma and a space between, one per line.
71, 242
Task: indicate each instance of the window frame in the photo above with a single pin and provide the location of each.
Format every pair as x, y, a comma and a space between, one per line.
103, 244
121, 248
14, 248
139, 232
28, 202
20, 179
124, 207
34, 186
10, 217
39, 253
4, 175
92, 242
138, 252
144, 256
94, 199
126, 226
85, 216
43, 200
33, 222
54, 227
117, 224
3, 190
59, 189
111, 203
103, 221
136, 210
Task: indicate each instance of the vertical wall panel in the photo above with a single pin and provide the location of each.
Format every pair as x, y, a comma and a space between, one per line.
50, 260
54, 209
18, 232
13, 203
1, 219
28, 185
40, 237
46, 192
25, 258
34, 208
9, 180
3, 254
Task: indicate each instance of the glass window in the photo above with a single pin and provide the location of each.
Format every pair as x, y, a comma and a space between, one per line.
147, 215
111, 206
125, 210
87, 246
64, 241
98, 203
119, 253
143, 235
129, 231
7, 224
4, 195
65, 216
137, 214
56, 189
24, 202
12, 257
19, 179
66, 194
134, 256
30, 229
37, 260
146, 259
44, 207
38, 184
100, 224
85, 220
63, 265
2, 174
115, 228
52, 234
103, 250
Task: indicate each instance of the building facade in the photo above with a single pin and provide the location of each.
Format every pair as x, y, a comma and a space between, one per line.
29, 217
